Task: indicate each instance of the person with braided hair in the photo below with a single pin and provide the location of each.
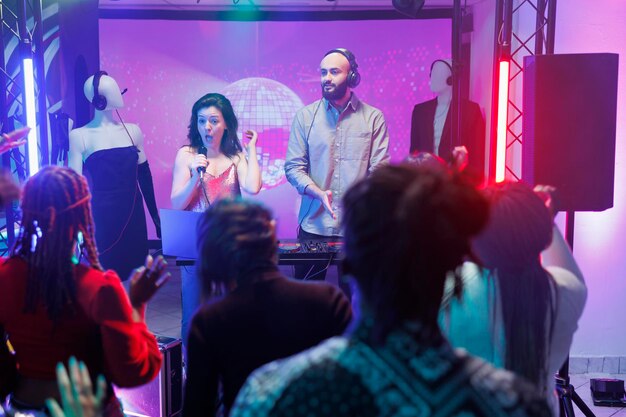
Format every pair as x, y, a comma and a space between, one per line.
262, 315
54, 304
521, 310
394, 361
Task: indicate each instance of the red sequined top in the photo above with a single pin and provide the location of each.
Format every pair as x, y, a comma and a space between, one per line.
225, 184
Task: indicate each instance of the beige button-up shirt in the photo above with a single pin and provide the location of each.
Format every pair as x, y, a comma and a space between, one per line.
333, 150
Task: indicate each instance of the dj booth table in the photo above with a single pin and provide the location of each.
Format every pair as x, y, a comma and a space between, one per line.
297, 252
179, 228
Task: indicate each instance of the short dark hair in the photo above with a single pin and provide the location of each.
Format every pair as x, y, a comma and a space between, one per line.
230, 145
405, 228
235, 237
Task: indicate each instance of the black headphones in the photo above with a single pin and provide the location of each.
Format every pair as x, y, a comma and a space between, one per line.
354, 78
449, 79
99, 101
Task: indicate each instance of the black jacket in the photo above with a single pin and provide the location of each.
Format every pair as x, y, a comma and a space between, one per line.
472, 133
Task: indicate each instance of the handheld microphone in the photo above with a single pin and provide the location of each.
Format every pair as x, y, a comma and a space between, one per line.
201, 170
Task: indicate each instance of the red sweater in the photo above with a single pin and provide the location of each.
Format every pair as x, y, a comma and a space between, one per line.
101, 332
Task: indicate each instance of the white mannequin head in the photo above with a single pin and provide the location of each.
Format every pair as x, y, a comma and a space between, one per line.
439, 75
108, 88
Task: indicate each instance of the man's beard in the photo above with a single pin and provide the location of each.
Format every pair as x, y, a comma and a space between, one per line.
337, 93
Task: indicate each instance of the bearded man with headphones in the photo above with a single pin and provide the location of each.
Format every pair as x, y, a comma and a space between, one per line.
431, 123
334, 142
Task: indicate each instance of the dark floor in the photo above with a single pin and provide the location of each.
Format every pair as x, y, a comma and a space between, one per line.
164, 312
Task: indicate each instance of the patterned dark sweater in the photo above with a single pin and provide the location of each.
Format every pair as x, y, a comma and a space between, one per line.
348, 376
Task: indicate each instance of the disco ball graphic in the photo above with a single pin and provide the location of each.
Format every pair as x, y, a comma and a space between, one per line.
268, 107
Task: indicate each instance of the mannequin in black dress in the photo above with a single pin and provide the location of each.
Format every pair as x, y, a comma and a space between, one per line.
112, 153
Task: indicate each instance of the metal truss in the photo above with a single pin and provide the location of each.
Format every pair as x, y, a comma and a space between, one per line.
513, 42
21, 35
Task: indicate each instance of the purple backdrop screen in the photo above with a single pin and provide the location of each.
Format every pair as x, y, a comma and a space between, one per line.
268, 70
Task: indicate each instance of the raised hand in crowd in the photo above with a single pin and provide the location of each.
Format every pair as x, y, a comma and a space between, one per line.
9, 190
145, 282
550, 197
13, 139
460, 157
77, 396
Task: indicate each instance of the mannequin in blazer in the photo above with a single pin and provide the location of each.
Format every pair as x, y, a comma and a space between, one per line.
431, 124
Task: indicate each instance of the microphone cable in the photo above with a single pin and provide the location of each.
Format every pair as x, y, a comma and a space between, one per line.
132, 208
306, 140
202, 170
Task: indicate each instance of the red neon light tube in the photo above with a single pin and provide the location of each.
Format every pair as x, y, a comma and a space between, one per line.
503, 104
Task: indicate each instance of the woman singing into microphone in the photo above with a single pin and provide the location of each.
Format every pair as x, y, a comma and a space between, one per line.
212, 166
213, 129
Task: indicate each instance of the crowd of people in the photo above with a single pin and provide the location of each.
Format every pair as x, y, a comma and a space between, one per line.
434, 262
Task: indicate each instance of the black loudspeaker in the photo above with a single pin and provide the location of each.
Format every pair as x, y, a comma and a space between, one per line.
408, 7
162, 397
569, 124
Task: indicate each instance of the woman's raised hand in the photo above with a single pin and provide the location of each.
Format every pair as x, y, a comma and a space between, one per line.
252, 136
